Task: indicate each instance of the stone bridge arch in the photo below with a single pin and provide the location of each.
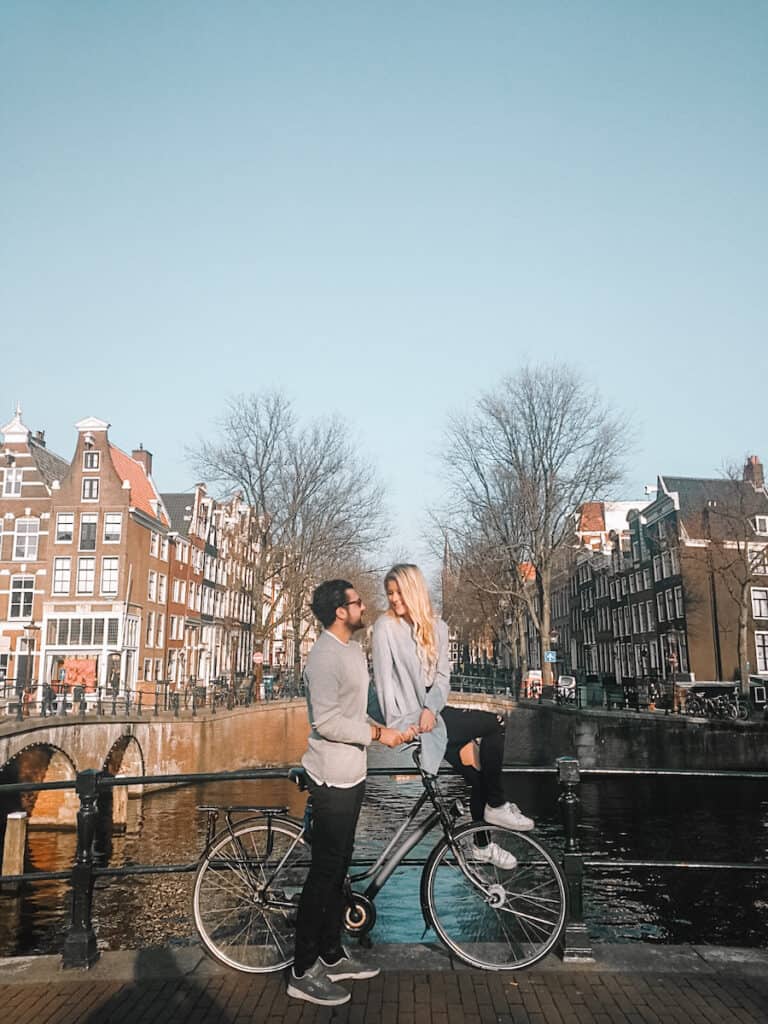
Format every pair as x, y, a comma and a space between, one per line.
42, 762
126, 757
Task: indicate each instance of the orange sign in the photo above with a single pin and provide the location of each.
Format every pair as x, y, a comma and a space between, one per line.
80, 670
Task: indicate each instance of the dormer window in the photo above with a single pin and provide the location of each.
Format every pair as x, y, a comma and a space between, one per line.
761, 525
91, 460
12, 479
90, 488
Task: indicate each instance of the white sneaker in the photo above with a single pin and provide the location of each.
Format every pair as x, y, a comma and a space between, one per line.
493, 854
508, 816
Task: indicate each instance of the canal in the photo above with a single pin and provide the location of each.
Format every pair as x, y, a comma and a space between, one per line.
623, 817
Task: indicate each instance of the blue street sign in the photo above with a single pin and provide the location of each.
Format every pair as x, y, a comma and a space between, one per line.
550, 655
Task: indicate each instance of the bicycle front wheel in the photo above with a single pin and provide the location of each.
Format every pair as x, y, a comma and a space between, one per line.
493, 918
246, 894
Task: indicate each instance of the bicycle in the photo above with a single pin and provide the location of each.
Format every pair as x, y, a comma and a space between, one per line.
251, 873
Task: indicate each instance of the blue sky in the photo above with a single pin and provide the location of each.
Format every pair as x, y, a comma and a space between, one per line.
381, 209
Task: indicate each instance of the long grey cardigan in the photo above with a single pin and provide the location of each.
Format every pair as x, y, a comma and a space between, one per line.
402, 686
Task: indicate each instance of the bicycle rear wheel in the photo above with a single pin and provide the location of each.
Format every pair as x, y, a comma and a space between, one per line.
498, 920
246, 894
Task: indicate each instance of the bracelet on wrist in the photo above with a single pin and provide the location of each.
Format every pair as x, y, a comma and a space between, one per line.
377, 733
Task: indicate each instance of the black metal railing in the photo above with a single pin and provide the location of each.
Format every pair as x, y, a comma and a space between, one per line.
18, 704
80, 949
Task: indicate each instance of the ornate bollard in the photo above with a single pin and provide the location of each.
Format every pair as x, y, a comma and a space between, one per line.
80, 944
576, 942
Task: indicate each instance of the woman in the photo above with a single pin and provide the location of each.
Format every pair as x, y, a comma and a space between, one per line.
412, 678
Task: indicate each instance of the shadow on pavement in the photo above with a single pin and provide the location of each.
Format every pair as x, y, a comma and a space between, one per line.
161, 990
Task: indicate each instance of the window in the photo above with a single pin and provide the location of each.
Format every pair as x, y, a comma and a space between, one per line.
150, 629
90, 488
22, 592
12, 483
160, 630
158, 669
679, 611
109, 571
657, 567
89, 522
760, 602
25, 543
154, 544
164, 549
761, 524
162, 588
660, 608
670, 601
675, 562
112, 631
91, 460
761, 650
86, 570
646, 579
148, 669
113, 527
152, 586
62, 572
65, 526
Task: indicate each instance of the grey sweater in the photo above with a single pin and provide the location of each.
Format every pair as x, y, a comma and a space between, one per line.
336, 677
402, 686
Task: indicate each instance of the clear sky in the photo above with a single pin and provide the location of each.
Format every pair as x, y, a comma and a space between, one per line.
381, 208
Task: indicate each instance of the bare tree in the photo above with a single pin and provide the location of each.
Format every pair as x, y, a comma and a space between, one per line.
536, 448
318, 503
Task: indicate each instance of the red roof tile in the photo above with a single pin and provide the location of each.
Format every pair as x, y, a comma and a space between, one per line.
143, 491
592, 517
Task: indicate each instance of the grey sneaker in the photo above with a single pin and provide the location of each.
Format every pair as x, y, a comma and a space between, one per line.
347, 968
508, 816
314, 986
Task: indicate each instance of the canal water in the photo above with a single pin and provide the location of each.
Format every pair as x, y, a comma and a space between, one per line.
623, 817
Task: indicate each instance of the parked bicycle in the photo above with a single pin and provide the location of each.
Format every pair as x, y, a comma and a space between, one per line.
723, 705
252, 870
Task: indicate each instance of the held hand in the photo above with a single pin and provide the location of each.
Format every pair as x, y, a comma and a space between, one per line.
427, 721
410, 734
390, 737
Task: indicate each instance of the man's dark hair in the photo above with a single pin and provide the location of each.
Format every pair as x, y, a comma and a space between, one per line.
328, 597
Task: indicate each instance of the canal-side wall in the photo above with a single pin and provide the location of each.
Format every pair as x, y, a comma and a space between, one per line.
538, 733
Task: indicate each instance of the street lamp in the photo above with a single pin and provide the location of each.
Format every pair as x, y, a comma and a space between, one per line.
30, 633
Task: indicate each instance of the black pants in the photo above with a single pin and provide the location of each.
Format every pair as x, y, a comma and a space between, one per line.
318, 924
486, 784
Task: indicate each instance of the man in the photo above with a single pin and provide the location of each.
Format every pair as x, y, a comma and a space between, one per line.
336, 678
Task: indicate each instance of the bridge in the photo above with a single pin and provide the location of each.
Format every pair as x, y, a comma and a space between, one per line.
55, 749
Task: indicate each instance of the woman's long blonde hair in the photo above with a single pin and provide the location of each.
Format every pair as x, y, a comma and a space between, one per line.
414, 592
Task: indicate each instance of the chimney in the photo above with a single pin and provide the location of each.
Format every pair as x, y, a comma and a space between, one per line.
39, 437
753, 472
141, 455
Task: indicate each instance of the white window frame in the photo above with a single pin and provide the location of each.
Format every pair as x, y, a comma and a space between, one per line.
113, 533
661, 614
150, 635
761, 525
162, 588
28, 539
761, 651
92, 461
21, 585
110, 572
154, 543
86, 573
90, 489
90, 519
62, 574
60, 516
152, 585
13, 479
759, 602
679, 607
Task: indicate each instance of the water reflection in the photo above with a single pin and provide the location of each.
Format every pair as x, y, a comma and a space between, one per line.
639, 818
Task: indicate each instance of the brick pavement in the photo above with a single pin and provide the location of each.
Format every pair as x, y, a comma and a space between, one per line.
401, 997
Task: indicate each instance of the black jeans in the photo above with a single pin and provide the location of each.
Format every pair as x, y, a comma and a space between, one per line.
486, 785
318, 924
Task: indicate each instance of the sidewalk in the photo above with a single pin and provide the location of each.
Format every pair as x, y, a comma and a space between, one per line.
625, 984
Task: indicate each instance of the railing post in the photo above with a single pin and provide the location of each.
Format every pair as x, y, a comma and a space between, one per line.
80, 944
576, 941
